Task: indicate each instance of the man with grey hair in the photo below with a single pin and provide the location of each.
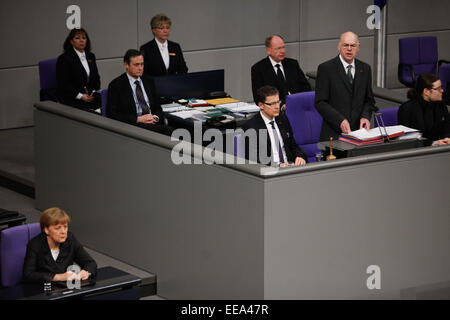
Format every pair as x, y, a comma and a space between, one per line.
344, 95
278, 71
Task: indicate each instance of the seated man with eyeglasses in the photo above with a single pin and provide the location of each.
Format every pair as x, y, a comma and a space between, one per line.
162, 56
344, 94
279, 147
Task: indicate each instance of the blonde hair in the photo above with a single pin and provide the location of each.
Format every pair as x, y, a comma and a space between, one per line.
53, 216
158, 19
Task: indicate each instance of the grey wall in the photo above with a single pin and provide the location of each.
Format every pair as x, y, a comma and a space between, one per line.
213, 34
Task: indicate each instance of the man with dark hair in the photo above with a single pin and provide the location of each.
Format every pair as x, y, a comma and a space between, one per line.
278, 71
344, 95
131, 96
280, 143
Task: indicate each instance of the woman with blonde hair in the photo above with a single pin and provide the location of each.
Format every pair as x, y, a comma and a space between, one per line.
50, 253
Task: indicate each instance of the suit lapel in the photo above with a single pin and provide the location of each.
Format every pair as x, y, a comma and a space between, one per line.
262, 125
359, 72
77, 62
342, 74
159, 58
129, 93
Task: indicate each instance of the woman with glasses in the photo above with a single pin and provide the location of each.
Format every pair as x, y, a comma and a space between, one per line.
161, 56
77, 77
426, 111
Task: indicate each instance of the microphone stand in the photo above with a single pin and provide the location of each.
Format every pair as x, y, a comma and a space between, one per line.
380, 116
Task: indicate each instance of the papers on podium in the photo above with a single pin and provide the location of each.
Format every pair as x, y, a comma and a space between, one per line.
375, 135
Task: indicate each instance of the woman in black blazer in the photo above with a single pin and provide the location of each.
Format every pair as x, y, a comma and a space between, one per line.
77, 77
161, 56
52, 251
425, 111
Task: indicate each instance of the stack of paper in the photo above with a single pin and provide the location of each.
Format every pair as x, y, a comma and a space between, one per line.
242, 107
215, 102
187, 114
373, 136
173, 107
197, 103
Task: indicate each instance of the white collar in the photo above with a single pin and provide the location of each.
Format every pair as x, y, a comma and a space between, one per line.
132, 80
266, 120
80, 54
161, 45
274, 62
345, 64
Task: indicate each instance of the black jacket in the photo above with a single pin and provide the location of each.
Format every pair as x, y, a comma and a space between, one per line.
121, 105
154, 64
263, 74
431, 118
71, 79
336, 99
39, 265
290, 146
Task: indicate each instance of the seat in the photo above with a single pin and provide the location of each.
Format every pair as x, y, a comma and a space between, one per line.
104, 98
306, 122
444, 76
13, 247
389, 117
416, 56
47, 78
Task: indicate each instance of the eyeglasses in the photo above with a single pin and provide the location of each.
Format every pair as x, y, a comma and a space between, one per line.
273, 104
438, 88
350, 46
163, 28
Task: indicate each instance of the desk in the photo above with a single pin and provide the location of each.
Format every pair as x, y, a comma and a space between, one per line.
108, 279
13, 221
342, 149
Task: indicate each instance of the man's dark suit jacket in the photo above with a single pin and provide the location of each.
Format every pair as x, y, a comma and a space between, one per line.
264, 74
336, 99
121, 105
154, 64
290, 146
71, 79
39, 265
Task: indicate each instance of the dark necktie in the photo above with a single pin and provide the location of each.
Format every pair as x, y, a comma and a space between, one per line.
277, 141
140, 97
281, 79
349, 73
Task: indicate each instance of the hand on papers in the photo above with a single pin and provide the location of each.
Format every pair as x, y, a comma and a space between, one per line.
298, 162
441, 142
364, 123
345, 126
147, 118
87, 98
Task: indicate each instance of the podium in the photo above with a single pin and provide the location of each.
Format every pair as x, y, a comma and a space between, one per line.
342, 149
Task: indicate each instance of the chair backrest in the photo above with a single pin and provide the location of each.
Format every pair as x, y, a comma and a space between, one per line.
47, 78
444, 75
305, 120
104, 98
13, 247
419, 52
390, 117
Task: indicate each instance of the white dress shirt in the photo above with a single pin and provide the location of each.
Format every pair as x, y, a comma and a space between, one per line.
275, 153
163, 48
274, 63
345, 64
133, 87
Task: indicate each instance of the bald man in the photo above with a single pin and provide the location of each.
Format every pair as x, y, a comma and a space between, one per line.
344, 95
278, 71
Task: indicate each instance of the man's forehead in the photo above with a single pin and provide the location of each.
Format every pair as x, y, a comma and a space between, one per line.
349, 38
272, 98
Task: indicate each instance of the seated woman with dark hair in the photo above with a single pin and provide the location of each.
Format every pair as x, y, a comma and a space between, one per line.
425, 111
50, 253
77, 78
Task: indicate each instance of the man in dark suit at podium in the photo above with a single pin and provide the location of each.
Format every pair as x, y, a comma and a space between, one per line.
280, 146
278, 71
344, 95
131, 96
